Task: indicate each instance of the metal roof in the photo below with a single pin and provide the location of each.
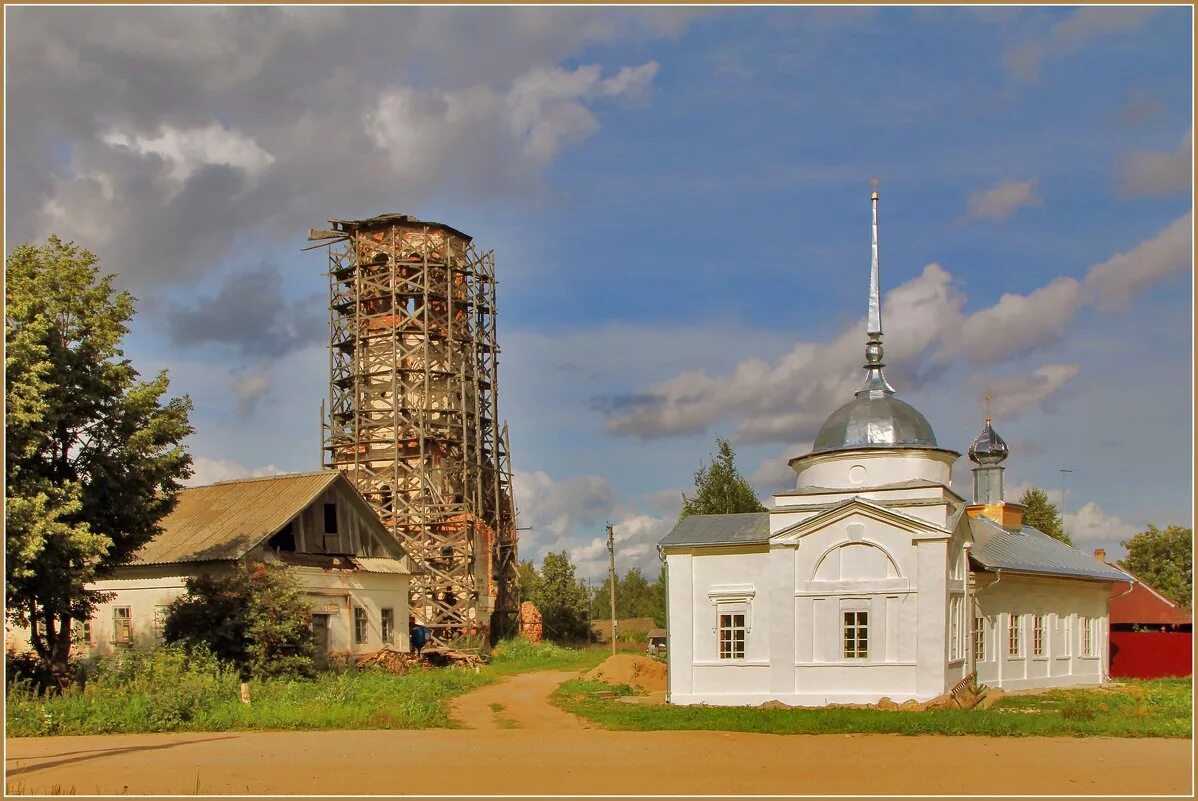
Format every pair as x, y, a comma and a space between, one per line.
874, 422
223, 521
379, 564
1029, 550
738, 529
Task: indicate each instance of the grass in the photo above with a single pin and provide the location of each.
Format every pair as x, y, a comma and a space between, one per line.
170, 690
1159, 708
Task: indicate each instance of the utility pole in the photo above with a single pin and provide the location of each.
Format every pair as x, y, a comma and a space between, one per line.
1064, 470
611, 553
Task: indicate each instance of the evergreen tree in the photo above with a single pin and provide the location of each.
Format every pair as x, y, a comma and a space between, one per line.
1164, 558
256, 617
93, 459
1042, 514
720, 489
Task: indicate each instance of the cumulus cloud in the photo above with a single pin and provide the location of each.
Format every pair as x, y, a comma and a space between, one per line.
1155, 174
1090, 524
249, 313
1015, 394
1001, 201
1018, 324
210, 471
571, 514
183, 151
790, 397
322, 112
1113, 283
250, 387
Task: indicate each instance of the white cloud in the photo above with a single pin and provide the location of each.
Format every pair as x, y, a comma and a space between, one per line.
249, 388
1090, 524
1001, 201
185, 150
545, 109
570, 515
1155, 174
1018, 323
788, 398
1114, 282
210, 471
1015, 394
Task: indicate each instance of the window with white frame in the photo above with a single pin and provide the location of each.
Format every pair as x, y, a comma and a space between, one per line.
122, 624
387, 618
731, 631
1067, 635
1038, 635
856, 634
979, 639
956, 648
360, 624
1015, 635
1089, 641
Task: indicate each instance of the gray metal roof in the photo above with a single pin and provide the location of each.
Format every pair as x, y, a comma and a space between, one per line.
1032, 551
739, 529
874, 422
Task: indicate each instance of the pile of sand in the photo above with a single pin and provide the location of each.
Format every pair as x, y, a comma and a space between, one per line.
638, 672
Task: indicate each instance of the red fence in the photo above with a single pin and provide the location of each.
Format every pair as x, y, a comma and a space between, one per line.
1151, 654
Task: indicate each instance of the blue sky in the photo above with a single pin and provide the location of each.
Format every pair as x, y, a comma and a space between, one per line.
678, 200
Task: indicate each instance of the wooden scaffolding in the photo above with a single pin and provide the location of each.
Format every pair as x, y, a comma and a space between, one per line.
412, 414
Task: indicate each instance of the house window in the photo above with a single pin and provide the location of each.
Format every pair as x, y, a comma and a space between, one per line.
955, 651
122, 624
330, 518
856, 635
83, 632
732, 635
388, 625
359, 624
1037, 635
159, 623
979, 639
1067, 635
283, 540
1015, 635
1088, 638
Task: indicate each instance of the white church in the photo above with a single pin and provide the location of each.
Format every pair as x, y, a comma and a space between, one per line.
873, 578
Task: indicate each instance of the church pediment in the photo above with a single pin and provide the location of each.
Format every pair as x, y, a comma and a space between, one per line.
917, 527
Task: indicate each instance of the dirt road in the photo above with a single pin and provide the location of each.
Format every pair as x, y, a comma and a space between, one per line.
523, 745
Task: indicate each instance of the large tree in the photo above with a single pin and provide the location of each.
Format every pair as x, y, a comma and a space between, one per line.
1040, 513
720, 489
1164, 558
93, 458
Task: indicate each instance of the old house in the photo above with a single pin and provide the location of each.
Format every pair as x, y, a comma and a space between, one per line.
875, 578
354, 573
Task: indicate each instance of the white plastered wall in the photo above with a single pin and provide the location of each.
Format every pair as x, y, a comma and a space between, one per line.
332, 592
1063, 603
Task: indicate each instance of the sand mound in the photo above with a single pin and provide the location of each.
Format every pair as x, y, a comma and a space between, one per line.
639, 672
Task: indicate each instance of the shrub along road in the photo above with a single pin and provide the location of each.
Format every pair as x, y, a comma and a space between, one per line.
525, 748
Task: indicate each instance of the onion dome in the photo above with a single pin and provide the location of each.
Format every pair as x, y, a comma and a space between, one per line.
988, 448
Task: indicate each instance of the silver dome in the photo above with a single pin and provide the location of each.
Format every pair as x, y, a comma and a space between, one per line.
989, 447
874, 422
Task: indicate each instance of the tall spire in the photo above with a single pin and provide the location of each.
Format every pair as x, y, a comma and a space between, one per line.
876, 385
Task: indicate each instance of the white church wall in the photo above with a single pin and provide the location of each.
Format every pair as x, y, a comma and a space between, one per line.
870, 468
1064, 607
